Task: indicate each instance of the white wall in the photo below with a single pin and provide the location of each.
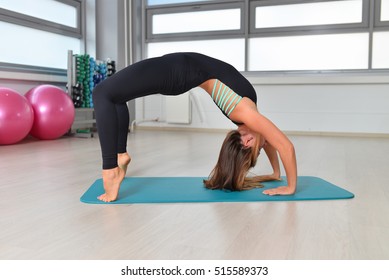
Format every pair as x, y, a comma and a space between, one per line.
316, 103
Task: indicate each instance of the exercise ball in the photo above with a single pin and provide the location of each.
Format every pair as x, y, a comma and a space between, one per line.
16, 116
53, 112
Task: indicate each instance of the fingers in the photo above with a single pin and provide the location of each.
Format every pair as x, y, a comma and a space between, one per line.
279, 191
271, 192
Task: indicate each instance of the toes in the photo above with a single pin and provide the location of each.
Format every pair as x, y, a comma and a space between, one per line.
102, 197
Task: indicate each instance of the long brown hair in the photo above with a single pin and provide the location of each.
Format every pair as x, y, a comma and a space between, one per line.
233, 164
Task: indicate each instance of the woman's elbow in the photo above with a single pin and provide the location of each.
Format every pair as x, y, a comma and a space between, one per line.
287, 147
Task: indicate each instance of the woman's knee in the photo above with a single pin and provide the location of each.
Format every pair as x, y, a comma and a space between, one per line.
98, 94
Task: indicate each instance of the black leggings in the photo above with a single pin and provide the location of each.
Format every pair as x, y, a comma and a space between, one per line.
112, 124
150, 76
110, 103
171, 74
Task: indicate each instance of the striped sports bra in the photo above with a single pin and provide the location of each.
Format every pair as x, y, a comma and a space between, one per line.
224, 97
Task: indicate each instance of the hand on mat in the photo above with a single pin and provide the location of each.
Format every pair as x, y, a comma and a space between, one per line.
284, 190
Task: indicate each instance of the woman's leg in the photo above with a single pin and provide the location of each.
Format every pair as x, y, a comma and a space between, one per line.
110, 96
123, 124
107, 126
123, 117
107, 120
112, 117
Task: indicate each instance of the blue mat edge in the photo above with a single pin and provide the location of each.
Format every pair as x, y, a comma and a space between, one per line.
347, 194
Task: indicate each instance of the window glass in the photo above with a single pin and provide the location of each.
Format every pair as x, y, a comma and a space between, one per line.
309, 14
228, 19
228, 50
29, 46
166, 2
314, 52
380, 50
53, 11
384, 10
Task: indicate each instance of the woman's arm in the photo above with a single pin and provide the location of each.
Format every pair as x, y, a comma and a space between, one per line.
246, 112
275, 164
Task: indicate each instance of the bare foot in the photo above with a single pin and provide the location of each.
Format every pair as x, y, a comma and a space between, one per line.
124, 160
112, 178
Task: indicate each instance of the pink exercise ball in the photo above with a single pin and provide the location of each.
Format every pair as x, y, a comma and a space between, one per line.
53, 112
16, 116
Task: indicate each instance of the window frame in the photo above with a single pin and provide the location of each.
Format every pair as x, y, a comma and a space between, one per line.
304, 29
378, 23
370, 23
45, 25
48, 26
192, 7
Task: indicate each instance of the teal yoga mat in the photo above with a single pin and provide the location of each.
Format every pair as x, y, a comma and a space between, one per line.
191, 189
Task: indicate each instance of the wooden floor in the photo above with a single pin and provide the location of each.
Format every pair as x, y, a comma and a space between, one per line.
42, 218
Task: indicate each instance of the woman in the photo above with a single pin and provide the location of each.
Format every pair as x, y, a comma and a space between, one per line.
174, 74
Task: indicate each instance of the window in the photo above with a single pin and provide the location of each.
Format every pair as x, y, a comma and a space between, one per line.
380, 50
164, 2
291, 43
227, 19
39, 37
319, 13
67, 15
384, 15
202, 20
35, 47
274, 35
314, 52
219, 49
205, 28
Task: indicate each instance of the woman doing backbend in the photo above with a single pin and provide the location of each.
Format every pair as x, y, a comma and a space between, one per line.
174, 74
